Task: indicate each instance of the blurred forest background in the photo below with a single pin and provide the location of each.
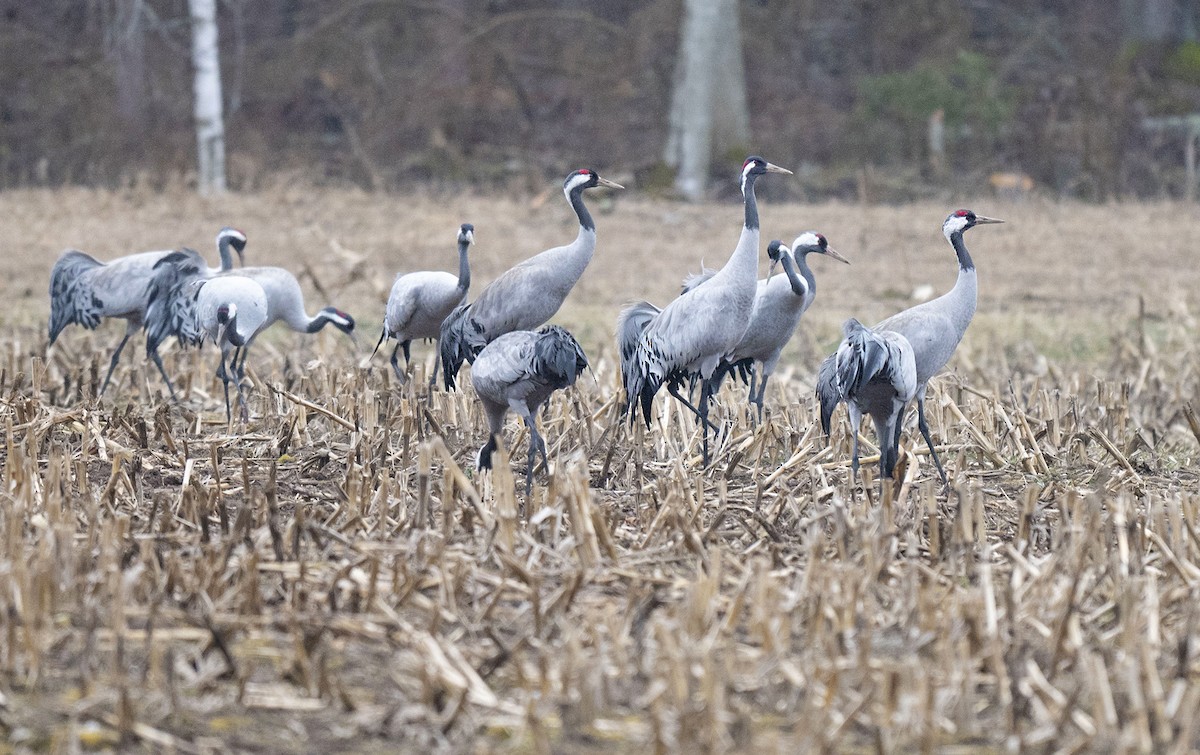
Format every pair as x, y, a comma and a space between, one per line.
1076, 98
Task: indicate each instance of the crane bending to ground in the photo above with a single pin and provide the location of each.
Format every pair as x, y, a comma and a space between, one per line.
231, 310
525, 296
419, 303
933, 331
519, 371
84, 291
696, 331
779, 304
177, 284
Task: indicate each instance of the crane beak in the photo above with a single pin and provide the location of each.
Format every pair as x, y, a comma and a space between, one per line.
981, 220
829, 252
771, 269
773, 168
609, 184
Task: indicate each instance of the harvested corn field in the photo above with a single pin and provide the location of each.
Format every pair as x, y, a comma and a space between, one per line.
334, 575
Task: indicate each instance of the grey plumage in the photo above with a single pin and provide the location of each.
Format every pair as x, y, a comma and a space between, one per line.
696, 331
285, 303
419, 303
528, 294
875, 374
230, 310
779, 303
84, 291
170, 307
519, 371
933, 329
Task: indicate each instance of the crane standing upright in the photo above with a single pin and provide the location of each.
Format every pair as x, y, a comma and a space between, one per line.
419, 303
779, 304
933, 330
84, 291
527, 295
519, 371
696, 331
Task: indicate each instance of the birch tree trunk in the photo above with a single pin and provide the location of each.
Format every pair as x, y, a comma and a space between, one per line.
206, 86
708, 101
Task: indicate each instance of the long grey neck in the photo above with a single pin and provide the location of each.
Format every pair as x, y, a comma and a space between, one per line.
960, 248
231, 332
798, 285
574, 258
464, 268
961, 299
226, 255
316, 323
744, 260
585, 217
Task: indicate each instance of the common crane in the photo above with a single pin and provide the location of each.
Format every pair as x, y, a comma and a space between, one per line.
84, 291
526, 295
176, 284
696, 331
778, 306
875, 373
231, 310
419, 302
519, 371
933, 329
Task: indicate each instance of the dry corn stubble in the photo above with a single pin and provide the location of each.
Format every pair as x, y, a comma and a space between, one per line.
335, 574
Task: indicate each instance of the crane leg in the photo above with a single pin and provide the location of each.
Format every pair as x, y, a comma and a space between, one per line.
705, 399
224, 375
899, 422
407, 356
395, 362
241, 375
116, 357
921, 423
762, 389
437, 361
153, 353
536, 444
855, 422
673, 389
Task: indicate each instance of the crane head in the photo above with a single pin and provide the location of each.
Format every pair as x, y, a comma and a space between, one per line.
466, 234
775, 250
811, 242
586, 179
756, 166
961, 220
235, 238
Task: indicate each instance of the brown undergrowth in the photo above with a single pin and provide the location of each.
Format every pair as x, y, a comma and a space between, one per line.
336, 574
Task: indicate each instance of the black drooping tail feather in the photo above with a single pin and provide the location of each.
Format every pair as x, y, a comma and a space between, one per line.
861, 356
71, 297
640, 383
558, 357
171, 306
461, 341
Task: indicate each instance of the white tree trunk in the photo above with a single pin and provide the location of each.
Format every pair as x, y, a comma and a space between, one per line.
210, 127
731, 113
708, 102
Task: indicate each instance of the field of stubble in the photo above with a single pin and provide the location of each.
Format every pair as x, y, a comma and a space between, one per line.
335, 576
